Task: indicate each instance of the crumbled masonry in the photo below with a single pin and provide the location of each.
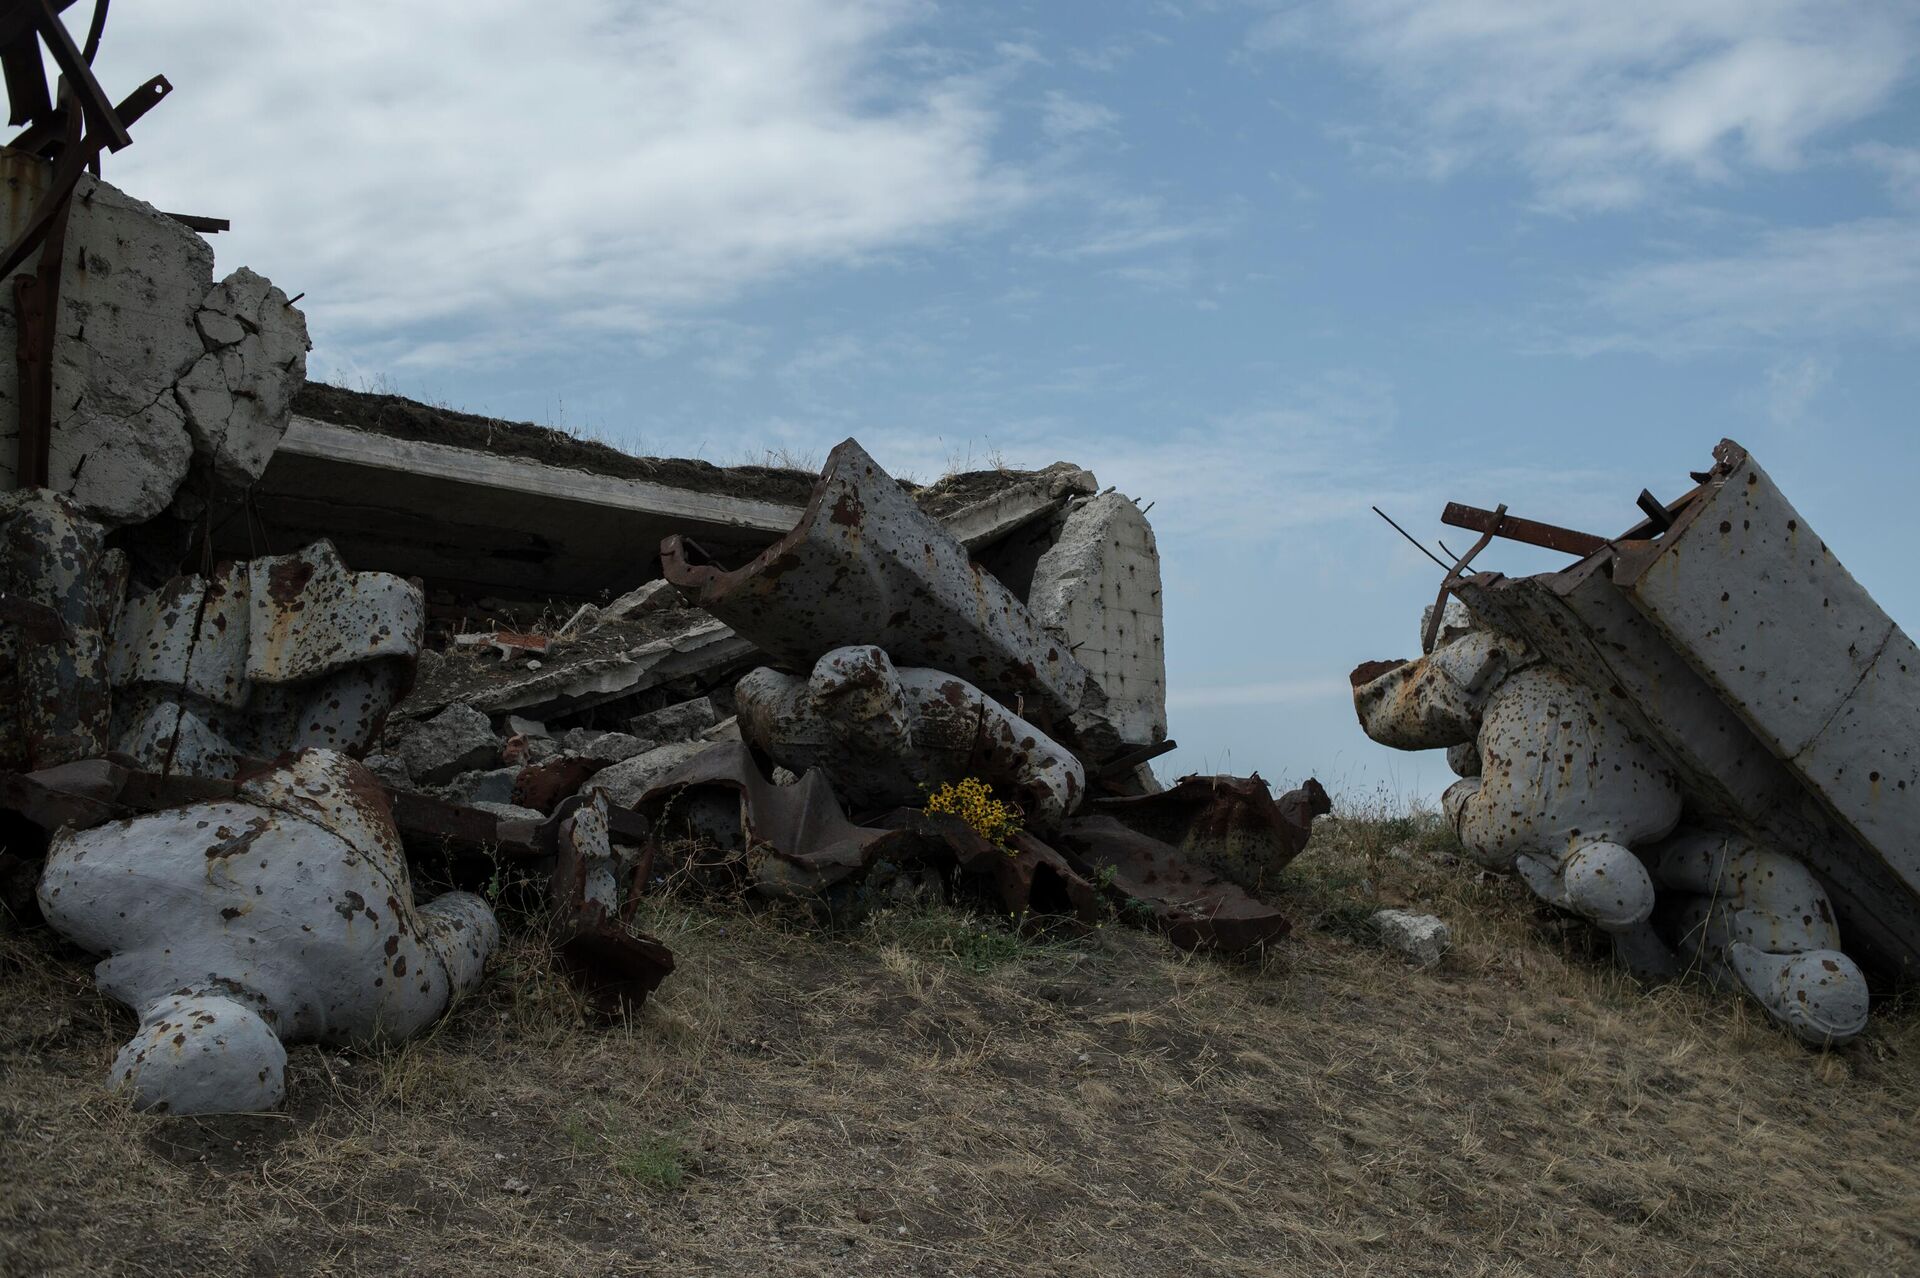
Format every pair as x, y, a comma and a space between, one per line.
1700, 738
493, 654
178, 376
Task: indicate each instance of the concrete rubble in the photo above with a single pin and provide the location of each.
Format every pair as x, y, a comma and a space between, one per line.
227, 764
178, 375
1700, 737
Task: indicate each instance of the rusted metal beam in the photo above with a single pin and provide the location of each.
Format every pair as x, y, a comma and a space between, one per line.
72, 161
1513, 528
204, 225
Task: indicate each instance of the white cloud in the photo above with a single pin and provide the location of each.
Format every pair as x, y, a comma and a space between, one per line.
517, 172
1064, 118
1602, 102
1792, 385
1858, 279
1898, 165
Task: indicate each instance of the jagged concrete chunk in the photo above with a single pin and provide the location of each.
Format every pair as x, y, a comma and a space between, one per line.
626, 781
492, 786
608, 747
682, 722
1098, 586
153, 364
282, 915
650, 597
866, 566
1419, 938
881, 734
458, 739
237, 395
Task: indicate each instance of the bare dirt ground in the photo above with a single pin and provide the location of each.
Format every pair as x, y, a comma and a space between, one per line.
930, 1094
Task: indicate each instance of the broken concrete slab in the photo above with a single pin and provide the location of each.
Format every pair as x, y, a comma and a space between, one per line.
618, 661
471, 513
864, 565
681, 722
1753, 600
625, 782
1098, 586
650, 597
434, 751
495, 785
172, 368
1636, 619
606, 747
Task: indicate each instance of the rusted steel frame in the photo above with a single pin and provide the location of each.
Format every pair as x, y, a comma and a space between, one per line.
1513, 528
1454, 574
26, 74
102, 119
865, 565
36, 304
72, 161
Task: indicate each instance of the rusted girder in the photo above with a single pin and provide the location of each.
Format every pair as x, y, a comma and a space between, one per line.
865, 566
1513, 528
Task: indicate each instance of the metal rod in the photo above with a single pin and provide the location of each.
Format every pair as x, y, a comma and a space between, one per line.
1409, 536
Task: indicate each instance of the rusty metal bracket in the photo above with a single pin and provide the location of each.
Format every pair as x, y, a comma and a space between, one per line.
1454, 573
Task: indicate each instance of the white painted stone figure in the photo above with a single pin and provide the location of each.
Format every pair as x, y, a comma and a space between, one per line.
1556, 788
882, 732
233, 928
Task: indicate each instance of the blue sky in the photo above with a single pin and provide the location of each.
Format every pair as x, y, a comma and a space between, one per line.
1261, 264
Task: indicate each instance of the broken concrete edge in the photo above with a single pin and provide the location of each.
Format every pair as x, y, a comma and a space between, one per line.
842, 574
180, 375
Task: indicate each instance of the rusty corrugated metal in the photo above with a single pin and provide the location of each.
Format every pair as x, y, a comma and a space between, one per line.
1154, 882
614, 966
865, 566
786, 840
1233, 825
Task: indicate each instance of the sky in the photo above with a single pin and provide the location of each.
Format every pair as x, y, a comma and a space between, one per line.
1263, 265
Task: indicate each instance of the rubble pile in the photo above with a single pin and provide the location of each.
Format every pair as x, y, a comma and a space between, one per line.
225, 767
1703, 738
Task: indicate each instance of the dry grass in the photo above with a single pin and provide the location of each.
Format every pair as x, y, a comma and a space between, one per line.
930, 1096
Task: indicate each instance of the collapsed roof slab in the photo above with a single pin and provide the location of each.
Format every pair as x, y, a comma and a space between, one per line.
523, 511
500, 523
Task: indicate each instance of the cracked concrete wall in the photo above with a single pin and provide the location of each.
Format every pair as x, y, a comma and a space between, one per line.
158, 373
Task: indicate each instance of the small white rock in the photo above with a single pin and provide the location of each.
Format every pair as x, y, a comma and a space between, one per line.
1419, 938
